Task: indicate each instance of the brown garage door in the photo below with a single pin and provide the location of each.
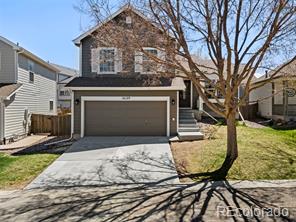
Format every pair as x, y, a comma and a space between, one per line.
135, 118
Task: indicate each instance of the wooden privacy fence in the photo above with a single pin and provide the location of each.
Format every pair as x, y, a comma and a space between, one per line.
55, 125
250, 111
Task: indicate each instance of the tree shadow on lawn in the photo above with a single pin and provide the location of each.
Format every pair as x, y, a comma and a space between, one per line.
134, 200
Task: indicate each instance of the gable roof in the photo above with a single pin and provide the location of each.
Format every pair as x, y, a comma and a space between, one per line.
8, 89
208, 66
65, 70
77, 40
288, 72
29, 54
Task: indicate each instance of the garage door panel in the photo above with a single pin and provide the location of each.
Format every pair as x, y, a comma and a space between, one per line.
104, 118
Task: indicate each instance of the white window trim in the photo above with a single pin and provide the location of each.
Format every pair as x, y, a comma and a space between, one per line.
51, 110
31, 81
142, 54
115, 62
125, 99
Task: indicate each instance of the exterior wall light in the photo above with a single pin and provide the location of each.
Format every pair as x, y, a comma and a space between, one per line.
77, 101
173, 102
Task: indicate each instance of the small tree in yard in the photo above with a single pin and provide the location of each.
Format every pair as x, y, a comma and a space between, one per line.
239, 37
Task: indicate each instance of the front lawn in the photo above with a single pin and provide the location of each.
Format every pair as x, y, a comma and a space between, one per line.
263, 154
18, 171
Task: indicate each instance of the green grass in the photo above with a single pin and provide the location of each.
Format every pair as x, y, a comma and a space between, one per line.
18, 171
263, 154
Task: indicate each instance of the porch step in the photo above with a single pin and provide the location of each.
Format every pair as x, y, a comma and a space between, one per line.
186, 116
189, 129
188, 136
187, 125
191, 121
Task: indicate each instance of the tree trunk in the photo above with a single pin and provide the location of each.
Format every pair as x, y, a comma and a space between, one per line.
232, 151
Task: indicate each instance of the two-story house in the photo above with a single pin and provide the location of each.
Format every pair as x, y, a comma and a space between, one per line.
113, 95
27, 86
65, 75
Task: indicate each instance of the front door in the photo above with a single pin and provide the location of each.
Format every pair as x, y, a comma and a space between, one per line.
185, 96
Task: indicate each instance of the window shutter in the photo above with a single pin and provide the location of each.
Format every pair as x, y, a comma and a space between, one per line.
161, 54
95, 60
138, 61
118, 60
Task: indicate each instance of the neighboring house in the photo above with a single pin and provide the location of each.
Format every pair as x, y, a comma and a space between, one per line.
27, 86
65, 75
277, 98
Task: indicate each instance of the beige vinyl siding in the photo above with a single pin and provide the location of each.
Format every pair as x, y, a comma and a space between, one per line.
264, 97
8, 63
33, 96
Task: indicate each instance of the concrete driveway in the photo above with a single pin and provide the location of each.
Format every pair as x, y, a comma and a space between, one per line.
111, 160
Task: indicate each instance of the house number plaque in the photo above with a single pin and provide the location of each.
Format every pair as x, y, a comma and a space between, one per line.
126, 98
291, 92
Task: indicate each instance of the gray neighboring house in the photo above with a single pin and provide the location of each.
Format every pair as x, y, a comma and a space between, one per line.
27, 86
65, 75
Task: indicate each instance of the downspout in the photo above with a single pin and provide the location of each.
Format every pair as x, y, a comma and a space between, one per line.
2, 120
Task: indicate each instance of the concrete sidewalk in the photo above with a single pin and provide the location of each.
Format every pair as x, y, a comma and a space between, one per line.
206, 201
25, 142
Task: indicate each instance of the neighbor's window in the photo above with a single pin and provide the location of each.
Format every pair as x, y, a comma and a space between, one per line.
107, 61
148, 64
62, 93
50, 105
31, 73
31, 76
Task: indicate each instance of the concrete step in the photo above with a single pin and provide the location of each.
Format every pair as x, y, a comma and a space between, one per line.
188, 129
189, 121
187, 125
189, 136
186, 116
186, 110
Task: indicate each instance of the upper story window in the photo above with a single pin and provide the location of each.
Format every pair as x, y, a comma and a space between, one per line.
51, 105
107, 60
31, 72
64, 93
144, 62
148, 63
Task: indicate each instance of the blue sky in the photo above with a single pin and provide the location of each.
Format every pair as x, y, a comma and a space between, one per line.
44, 27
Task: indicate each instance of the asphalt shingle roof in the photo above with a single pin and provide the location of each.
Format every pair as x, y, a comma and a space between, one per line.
6, 89
120, 81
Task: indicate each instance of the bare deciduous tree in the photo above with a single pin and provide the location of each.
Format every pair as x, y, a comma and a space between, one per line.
238, 36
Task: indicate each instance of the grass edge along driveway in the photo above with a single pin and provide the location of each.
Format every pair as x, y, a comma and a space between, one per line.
17, 171
263, 154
